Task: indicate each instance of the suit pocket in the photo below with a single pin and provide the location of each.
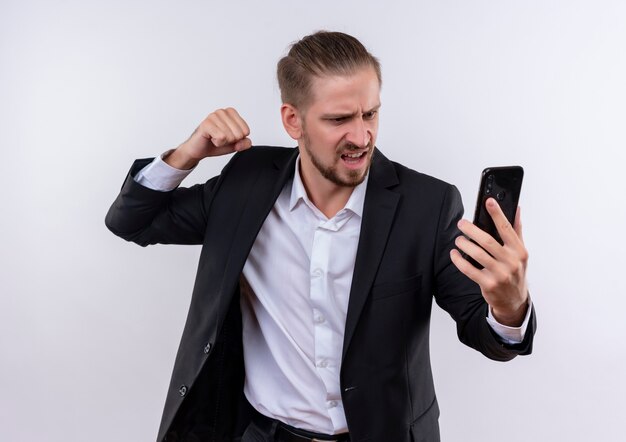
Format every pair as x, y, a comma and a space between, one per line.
426, 427
394, 288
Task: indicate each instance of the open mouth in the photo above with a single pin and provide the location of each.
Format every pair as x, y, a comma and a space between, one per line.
354, 158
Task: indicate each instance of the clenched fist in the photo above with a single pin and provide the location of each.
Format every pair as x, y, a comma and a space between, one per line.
221, 133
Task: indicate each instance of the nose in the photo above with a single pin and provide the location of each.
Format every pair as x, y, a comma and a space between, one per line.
359, 134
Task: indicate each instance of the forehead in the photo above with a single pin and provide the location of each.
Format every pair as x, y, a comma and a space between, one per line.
359, 90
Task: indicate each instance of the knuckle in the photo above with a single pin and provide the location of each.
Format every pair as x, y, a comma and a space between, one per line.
506, 279
524, 256
491, 242
505, 225
218, 140
490, 285
206, 127
521, 268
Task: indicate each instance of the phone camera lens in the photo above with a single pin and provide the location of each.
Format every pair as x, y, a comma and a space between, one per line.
500, 195
488, 191
490, 178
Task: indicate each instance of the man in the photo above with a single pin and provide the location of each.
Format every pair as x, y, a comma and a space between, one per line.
310, 313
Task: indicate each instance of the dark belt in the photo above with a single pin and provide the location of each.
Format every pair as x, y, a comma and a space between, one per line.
287, 433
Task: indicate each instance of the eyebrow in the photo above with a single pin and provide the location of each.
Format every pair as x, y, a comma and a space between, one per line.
350, 115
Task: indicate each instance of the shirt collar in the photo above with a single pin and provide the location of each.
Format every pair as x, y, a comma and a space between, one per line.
298, 192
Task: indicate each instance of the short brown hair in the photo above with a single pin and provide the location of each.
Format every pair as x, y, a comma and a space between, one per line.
318, 54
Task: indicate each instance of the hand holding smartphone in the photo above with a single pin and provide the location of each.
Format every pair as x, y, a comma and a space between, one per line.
504, 184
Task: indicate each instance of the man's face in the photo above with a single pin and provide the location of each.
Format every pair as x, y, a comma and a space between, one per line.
339, 127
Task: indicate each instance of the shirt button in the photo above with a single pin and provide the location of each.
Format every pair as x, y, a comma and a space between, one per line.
317, 273
207, 348
323, 364
319, 319
182, 390
332, 404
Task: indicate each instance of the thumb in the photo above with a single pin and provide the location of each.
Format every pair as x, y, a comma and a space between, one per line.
243, 144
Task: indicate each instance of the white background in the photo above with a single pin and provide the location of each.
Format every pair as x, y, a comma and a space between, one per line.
90, 324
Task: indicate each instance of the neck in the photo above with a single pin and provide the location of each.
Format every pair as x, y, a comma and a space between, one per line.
327, 196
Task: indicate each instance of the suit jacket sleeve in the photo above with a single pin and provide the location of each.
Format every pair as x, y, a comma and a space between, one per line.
145, 216
462, 298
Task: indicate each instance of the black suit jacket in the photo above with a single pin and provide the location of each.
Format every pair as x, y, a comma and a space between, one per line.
407, 231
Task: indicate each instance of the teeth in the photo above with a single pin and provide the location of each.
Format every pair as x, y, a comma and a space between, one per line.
354, 155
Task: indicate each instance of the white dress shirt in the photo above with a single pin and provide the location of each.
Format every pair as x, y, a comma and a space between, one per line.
295, 287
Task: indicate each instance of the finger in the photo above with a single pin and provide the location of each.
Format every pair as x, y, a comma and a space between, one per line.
222, 150
228, 136
230, 119
473, 250
504, 227
466, 267
212, 130
239, 121
244, 144
517, 225
482, 238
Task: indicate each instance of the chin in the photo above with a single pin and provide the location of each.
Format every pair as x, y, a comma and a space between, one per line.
352, 178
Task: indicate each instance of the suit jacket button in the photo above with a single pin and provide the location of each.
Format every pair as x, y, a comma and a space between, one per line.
207, 348
182, 390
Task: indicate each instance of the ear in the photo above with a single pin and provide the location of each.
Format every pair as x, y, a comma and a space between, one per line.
292, 120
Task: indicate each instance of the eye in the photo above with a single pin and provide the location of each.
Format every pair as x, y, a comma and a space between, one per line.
370, 115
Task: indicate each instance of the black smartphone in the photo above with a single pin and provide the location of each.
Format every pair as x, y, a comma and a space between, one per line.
504, 184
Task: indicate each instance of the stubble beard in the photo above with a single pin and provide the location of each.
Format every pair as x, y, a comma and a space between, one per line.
354, 177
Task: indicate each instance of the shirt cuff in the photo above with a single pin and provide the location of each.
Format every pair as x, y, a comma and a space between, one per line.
510, 335
160, 176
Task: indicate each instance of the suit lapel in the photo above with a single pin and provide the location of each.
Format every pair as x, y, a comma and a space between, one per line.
261, 199
378, 214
